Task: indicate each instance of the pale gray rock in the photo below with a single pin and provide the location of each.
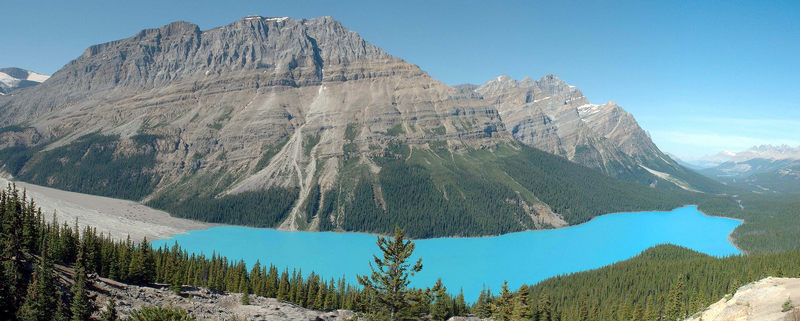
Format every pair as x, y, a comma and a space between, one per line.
761, 300
553, 116
204, 304
216, 100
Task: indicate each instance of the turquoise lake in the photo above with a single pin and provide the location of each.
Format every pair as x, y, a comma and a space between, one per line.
471, 263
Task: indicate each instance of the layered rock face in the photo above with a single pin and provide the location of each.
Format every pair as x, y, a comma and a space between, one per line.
553, 116
267, 103
243, 86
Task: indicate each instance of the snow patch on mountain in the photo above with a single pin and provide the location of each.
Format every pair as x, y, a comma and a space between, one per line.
15, 78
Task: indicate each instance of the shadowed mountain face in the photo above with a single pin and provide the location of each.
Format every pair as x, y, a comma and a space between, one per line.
302, 124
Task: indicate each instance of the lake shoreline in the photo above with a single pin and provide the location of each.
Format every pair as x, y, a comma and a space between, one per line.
730, 238
169, 226
469, 263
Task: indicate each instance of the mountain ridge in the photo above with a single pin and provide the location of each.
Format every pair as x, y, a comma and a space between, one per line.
305, 118
761, 169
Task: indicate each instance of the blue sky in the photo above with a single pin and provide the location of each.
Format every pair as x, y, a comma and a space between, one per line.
699, 76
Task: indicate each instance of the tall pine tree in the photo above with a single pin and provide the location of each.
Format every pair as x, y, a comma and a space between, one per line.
390, 276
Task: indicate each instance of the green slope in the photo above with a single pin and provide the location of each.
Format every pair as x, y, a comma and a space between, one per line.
666, 282
436, 192
430, 191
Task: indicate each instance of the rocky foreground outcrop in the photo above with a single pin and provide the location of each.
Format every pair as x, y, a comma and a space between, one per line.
206, 304
211, 305
762, 300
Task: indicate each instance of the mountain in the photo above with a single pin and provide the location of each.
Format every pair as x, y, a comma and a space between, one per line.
763, 168
302, 124
770, 152
15, 78
708, 161
550, 115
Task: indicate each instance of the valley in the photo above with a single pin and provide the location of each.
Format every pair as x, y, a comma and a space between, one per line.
317, 129
470, 264
181, 169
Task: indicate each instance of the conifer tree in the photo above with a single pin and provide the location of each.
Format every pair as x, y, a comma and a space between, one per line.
390, 276
503, 305
543, 308
319, 300
81, 307
272, 282
330, 299
674, 308
148, 262
461, 307
482, 308
440, 309
246, 296
12, 290
283, 288
175, 282
522, 309
41, 302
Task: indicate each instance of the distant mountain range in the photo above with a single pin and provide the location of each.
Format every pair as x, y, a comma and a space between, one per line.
302, 124
764, 168
706, 161
15, 78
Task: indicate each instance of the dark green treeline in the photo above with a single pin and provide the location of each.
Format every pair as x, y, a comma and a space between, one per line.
31, 247
666, 282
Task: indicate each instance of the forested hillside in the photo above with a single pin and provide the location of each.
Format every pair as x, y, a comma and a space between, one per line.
318, 129
666, 282
663, 283
30, 288
770, 221
440, 192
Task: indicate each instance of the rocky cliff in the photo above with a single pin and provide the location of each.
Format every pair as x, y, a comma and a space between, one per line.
764, 300
553, 116
305, 117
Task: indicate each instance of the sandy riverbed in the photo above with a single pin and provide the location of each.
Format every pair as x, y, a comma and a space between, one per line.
118, 217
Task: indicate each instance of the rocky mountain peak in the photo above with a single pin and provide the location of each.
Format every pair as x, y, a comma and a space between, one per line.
271, 50
771, 152
552, 84
302, 105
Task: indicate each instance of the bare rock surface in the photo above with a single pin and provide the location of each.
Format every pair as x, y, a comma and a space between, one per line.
553, 116
206, 304
267, 102
116, 217
761, 300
